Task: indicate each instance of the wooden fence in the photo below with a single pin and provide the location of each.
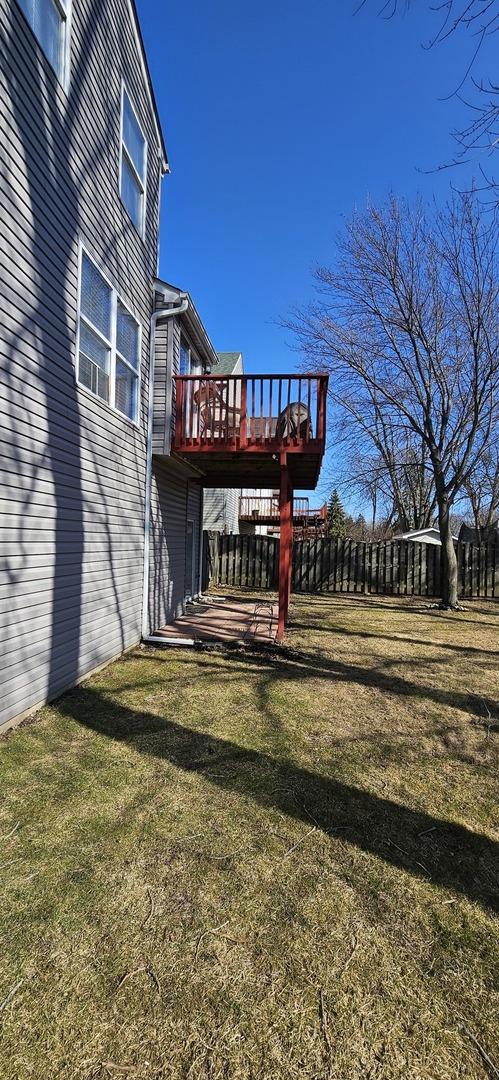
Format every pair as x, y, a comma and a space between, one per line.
386, 567
250, 561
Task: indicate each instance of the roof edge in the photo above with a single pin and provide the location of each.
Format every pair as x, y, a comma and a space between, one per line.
152, 96
192, 319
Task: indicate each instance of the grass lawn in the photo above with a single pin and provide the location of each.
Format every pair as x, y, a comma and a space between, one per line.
229, 865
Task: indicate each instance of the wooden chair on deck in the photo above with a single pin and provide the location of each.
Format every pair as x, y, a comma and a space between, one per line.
210, 399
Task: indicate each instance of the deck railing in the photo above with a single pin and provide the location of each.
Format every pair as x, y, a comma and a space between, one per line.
238, 412
262, 506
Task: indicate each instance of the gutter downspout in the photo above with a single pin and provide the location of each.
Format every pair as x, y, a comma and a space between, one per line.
163, 312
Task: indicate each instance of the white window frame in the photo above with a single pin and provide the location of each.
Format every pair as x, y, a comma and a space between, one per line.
141, 181
196, 366
64, 8
109, 343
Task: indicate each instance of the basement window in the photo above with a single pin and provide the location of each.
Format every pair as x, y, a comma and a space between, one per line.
108, 342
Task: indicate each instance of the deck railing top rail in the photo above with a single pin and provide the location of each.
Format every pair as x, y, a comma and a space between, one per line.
260, 506
238, 412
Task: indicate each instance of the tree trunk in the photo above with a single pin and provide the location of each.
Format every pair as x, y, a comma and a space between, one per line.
448, 575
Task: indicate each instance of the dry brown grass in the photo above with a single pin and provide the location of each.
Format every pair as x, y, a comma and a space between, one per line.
231, 865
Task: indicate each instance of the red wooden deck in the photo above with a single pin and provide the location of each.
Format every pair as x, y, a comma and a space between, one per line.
255, 431
234, 428
264, 510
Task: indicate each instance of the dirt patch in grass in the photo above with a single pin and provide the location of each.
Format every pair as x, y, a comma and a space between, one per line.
261, 865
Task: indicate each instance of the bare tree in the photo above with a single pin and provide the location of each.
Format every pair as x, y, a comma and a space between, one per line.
482, 490
479, 19
406, 322
385, 467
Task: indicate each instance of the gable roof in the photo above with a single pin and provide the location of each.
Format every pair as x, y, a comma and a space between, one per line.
431, 532
227, 362
190, 319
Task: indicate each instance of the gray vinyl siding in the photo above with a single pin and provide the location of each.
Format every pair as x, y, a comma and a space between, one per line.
221, 510
72, 471
175, 498
194, 512
166, 365
176, 492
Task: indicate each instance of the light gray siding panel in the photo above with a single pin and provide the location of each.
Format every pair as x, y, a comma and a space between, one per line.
167, 361
194, 512
168, 532
221, 510
72, 471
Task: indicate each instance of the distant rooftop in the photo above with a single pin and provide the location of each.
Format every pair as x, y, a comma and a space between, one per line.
227, 362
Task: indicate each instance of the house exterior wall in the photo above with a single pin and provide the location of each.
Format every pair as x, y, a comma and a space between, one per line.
72, 473
221, 510
176, 491
175, 498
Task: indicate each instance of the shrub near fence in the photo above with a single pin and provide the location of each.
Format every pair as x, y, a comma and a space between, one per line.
386, 567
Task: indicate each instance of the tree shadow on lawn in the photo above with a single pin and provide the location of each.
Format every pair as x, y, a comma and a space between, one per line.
417, 605
284, 663
397, 636
427, 847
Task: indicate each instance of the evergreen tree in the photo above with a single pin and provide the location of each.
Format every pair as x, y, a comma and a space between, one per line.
359, 531
336, 517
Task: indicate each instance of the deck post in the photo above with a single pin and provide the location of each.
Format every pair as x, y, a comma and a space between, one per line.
285, 545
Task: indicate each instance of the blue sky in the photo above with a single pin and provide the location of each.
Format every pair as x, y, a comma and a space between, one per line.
281, 118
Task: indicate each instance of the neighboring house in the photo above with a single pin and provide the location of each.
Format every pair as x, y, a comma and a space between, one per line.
422, 536
254, 502
221, 506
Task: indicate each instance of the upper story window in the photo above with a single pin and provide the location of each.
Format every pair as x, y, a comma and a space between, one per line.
184, 367
49, 21
108, 342
188, 363
133, 162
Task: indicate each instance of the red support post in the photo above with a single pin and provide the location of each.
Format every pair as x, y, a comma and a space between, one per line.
285, 545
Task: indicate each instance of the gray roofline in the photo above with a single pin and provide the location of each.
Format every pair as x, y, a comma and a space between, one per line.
147, 73
191, 319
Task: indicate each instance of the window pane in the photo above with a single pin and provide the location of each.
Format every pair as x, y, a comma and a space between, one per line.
48, 26
93, 377
133, 137
94, 347
184, 367
127, 336
131, 193
93, 367
126, 390
95, 297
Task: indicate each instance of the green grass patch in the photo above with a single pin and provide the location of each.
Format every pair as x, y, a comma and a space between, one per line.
239, 865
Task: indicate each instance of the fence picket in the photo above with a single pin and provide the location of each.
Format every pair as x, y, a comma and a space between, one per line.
331, 564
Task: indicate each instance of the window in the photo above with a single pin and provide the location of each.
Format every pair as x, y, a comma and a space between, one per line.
133, 162
108, 343
188, 361
184, 359
49, 21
